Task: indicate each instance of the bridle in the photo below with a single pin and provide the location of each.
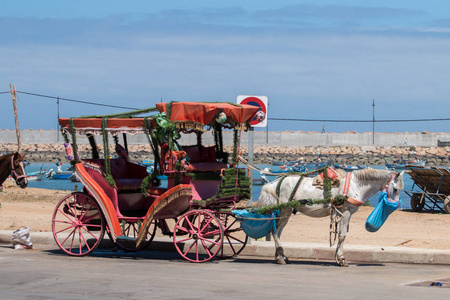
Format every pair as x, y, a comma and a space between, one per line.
14, 174
386, 188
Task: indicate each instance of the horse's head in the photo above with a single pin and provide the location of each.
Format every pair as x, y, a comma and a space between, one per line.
18, 170
395, 186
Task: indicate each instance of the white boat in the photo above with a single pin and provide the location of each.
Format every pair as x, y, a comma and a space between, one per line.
36, 176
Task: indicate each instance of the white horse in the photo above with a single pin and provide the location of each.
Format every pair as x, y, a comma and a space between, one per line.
359, 186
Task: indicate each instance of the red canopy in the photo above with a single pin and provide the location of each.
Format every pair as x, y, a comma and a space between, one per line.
204, 112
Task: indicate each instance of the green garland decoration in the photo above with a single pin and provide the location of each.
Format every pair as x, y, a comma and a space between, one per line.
199, 138
151, 178
177, 177
337, 201
235, 146
218, 141
74, 141
169, 109
64, 135
294, 191
327, 185
228, 185
108, 177
93, 146
291, 204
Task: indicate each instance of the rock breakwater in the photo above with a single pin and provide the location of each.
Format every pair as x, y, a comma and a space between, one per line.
368, 155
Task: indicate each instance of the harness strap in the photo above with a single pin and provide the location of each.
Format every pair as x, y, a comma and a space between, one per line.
348, 177
386, 187
351, 200
294, 191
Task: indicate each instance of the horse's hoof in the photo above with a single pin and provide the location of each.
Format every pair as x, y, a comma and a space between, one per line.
280, 261
342, 262
286, 260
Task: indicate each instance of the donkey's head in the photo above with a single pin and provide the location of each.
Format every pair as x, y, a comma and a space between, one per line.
395, 186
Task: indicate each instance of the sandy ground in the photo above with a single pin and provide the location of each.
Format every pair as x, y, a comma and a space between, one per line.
34, 208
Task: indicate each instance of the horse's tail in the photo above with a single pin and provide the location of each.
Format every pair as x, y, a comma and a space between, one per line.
268, 197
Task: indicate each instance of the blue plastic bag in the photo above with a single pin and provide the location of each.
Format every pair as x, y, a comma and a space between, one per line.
256, 228
380, 214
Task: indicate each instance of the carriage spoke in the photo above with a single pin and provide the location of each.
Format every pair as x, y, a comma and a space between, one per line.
64, 229
188, 249
68, 236
81, 235
207, 249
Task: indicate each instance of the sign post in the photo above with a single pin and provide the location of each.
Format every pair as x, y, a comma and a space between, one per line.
260, 120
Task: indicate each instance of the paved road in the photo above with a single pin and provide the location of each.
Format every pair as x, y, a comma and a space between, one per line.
47, 273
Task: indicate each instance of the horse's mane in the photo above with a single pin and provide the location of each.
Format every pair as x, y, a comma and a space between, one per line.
372, 175
7, 155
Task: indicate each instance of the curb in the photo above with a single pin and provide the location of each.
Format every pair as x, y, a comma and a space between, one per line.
353, 253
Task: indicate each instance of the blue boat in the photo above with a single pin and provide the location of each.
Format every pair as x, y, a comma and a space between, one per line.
60, 174
401, 165
349, 168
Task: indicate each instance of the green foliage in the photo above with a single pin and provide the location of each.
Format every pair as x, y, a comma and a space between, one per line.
327, 183
74, 141
108, 176
152, 180
228, 185
291, 204
235, 146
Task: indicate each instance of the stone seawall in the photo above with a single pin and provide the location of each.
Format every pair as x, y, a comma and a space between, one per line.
370, 155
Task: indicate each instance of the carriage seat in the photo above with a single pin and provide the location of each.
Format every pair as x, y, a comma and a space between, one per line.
203, 159
128, 176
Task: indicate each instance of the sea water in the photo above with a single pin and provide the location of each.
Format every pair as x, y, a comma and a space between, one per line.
66, 184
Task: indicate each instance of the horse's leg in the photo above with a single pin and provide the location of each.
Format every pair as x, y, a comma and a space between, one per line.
279, 251
343, 230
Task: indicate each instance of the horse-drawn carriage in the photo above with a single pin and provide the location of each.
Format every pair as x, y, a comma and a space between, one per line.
119, 197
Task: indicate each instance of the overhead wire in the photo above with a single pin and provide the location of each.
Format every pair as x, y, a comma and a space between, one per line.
272, 119
359, 121
77, 101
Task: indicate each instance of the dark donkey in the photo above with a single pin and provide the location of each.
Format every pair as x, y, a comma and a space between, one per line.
13, 164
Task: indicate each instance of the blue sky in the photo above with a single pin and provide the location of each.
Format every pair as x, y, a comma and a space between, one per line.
312, 59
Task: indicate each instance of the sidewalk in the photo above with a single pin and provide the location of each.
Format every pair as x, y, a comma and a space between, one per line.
353, 253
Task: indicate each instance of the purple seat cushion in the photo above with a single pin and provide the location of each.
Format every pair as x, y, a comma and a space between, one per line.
128, 184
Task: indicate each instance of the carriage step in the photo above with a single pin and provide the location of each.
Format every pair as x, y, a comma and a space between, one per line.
130, 242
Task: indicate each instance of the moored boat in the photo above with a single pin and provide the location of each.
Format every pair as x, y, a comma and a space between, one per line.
59, 174
401, 165
349, 168
36, 176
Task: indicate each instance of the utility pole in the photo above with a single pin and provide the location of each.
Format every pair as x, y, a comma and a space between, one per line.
373, 122
57, 121
16, 117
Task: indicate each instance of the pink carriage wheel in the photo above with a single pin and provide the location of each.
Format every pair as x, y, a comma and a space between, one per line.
235, 239
131, 229
198, 236
78, 225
